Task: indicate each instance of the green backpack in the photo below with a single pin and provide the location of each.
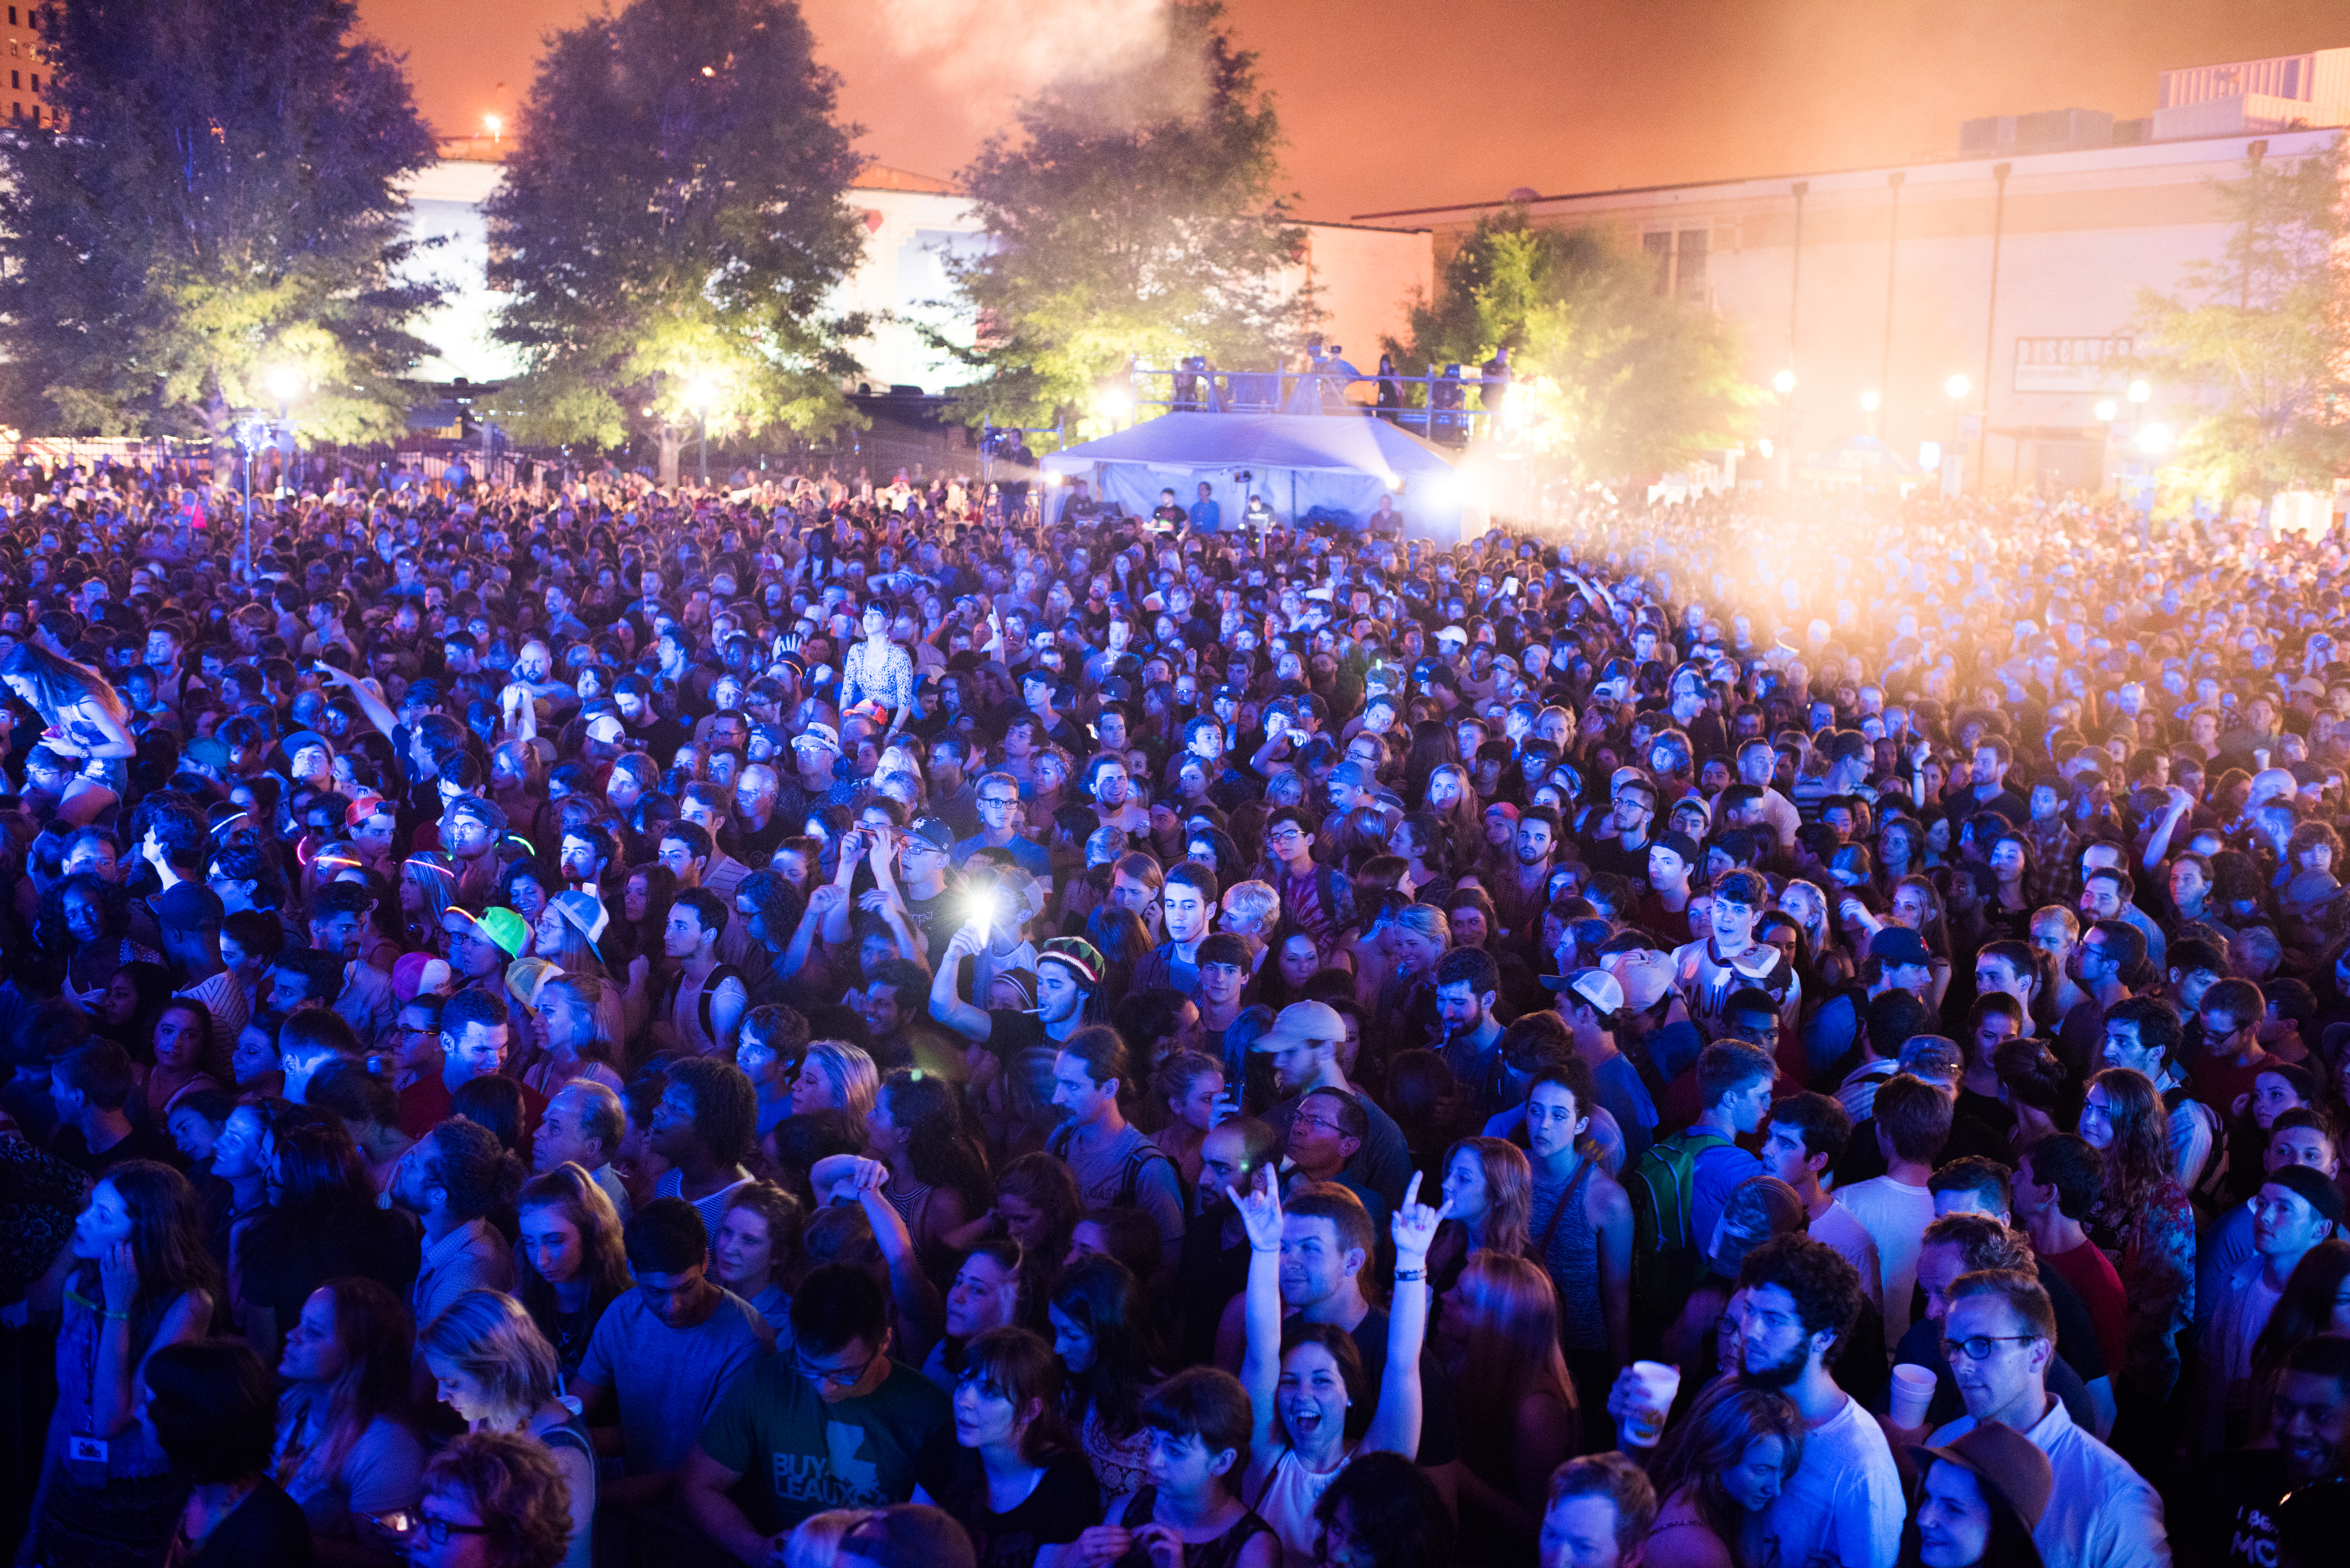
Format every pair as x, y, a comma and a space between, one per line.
1665, 1247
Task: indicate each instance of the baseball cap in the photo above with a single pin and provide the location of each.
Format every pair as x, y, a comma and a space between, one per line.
1302, 1020
205, 752
1680, 844
2312, 1186
933, 832
1351, 773
1603, 990
187, 907
367, 805
506, 929
418, 975
1452, 633
1502, 808
606, 728
816, 737
1899, 945
301, 737
525, 976
585, 913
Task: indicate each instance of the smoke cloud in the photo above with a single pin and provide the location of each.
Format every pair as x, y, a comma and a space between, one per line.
1105, 57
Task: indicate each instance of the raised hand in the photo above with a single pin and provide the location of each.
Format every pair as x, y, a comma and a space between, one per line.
1414, 1226
1260, 1210
118, 1276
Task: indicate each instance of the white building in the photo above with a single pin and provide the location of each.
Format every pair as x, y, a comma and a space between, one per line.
2016, 266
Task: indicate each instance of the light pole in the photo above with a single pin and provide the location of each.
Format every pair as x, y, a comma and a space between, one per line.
699, 397
1958, 387
1869, 402
283, 383
2140, 392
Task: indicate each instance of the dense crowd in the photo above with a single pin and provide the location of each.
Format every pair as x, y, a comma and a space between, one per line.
812, 1023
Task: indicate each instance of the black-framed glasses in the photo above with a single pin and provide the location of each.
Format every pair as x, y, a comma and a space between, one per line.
829, 1377
1318, 1123
1977, 1346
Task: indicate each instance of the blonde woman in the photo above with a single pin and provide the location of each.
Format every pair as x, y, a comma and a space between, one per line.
580, 1023
570, 1263
836, 1076
427, 883
497, 1371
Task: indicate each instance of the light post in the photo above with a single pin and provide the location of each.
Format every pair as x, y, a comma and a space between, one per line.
1868, 402
1956, 387
2140, 392
699, 397
283, 382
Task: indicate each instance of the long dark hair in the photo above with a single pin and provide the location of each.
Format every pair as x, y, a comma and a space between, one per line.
939, 1145
378, 1341
1022, 1367
58, 683
320, 1175
166, 1243
1101, 1295
1392, 1508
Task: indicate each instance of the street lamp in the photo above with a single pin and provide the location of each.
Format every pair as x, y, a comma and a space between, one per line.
1784, 381
494, 125
699, 397
2154, 440
1958, 387
2108, 411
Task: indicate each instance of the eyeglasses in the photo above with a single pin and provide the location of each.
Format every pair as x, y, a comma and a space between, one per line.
1977, 1346
825, 1377
1319, 1124
1286, 836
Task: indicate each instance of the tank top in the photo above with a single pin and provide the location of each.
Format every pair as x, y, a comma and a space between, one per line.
1221, 1553
1565, 1244
1286, 1505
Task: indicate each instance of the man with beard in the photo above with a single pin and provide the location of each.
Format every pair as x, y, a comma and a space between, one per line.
338, 925
1521, 895
1844, 1505
1467, 982
2000, 1335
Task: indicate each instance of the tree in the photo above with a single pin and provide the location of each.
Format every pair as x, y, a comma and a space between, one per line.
669, 226
2263, 332
225, 205
1612, 376
1134, 218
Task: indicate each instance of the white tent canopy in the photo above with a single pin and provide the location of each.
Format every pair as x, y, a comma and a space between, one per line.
1340, 462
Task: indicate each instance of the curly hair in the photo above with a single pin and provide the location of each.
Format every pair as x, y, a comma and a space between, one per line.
166, 1243
2137, 1162
1824, 1286
514, 1486
939, 1143
725, 1105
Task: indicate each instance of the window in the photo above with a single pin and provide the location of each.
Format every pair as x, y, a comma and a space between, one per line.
11, 15
16, 79
1660, 248
1688, 261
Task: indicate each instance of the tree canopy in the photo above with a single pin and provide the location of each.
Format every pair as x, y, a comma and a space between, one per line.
671, 225
225, 204
2262, 334
1132, 218
1612, 376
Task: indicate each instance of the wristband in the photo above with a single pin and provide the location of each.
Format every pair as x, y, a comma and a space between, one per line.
1407, 1275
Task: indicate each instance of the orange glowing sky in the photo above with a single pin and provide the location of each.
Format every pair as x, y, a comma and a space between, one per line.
1394, 104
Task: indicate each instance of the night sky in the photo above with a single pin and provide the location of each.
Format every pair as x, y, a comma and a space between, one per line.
1395, 104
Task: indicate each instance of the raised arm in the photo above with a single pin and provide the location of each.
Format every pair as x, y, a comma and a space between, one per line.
1260, 1210
2158, 847
1395, 1424
972, 1023
922, 1315
370, 700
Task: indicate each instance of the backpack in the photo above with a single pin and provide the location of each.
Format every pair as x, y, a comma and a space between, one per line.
717, 977
1665, 1247
1129, 1174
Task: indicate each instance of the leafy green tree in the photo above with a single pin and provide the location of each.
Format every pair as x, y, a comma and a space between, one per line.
1613, 378
225, 204
1134, 218
669, 226
2262, 334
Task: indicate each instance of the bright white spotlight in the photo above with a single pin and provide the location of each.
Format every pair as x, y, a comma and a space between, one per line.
284, 383
2154, 441
1784, 381
1958, 387
2107, 409
1869, 402
2140, 392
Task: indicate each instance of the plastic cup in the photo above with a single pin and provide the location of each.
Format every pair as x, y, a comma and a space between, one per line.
1913, 1391
1645, 1423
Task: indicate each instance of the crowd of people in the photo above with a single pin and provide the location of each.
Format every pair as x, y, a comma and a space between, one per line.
820, 1025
